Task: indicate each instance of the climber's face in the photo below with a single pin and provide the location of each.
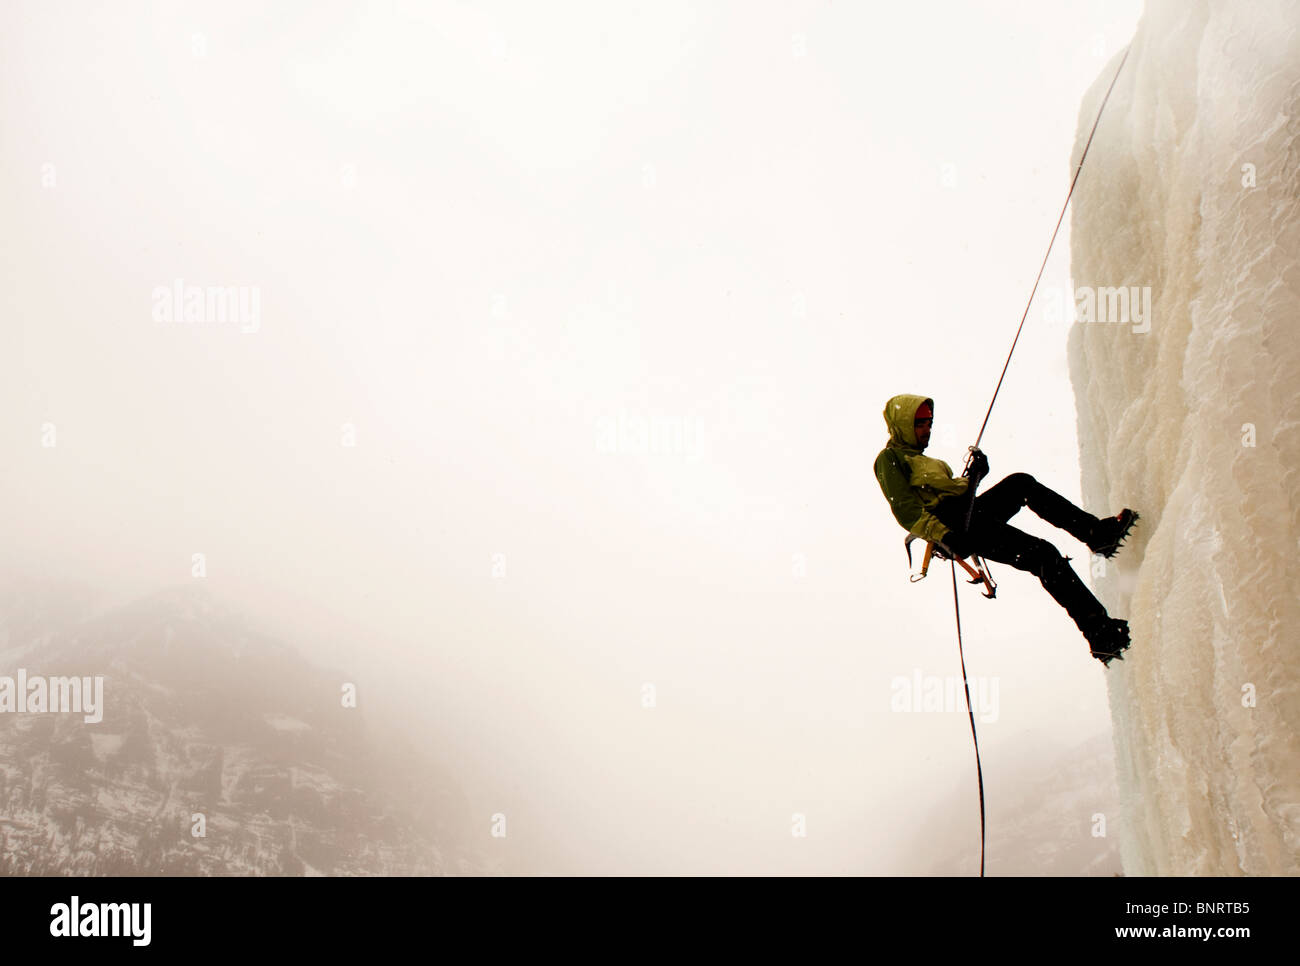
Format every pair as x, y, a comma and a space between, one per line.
924, 420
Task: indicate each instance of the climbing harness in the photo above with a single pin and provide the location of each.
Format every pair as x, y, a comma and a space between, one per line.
979, 573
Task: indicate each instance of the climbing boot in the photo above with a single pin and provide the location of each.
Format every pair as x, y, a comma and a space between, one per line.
1108, 534
1107, 638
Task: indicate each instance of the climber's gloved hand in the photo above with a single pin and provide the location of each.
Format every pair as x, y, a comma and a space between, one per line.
958, 544
979, 465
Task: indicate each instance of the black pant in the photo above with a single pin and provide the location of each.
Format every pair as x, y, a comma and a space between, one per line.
991, 536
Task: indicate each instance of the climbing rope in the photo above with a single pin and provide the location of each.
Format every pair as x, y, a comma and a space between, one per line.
979, 771
974, 479
1033, 291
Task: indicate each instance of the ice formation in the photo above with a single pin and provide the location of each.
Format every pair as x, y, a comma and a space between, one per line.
1192, 188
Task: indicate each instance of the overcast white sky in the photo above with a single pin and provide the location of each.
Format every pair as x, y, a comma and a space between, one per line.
488, 236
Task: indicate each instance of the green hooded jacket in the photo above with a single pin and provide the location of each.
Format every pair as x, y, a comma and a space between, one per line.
911, 481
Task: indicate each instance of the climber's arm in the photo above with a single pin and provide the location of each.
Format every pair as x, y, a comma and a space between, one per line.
907, 509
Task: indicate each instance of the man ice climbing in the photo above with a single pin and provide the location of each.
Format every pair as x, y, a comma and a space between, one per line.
928, 502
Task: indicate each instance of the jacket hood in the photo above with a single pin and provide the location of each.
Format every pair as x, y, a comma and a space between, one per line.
900, 417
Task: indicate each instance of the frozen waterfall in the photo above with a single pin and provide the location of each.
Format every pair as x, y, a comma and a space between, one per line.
1191, 192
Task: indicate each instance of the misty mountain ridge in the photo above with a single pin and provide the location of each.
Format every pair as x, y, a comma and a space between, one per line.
204, 716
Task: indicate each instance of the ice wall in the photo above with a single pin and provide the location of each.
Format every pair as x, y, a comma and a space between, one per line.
1192, 187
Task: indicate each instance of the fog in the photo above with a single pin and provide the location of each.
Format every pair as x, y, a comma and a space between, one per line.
552, 409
